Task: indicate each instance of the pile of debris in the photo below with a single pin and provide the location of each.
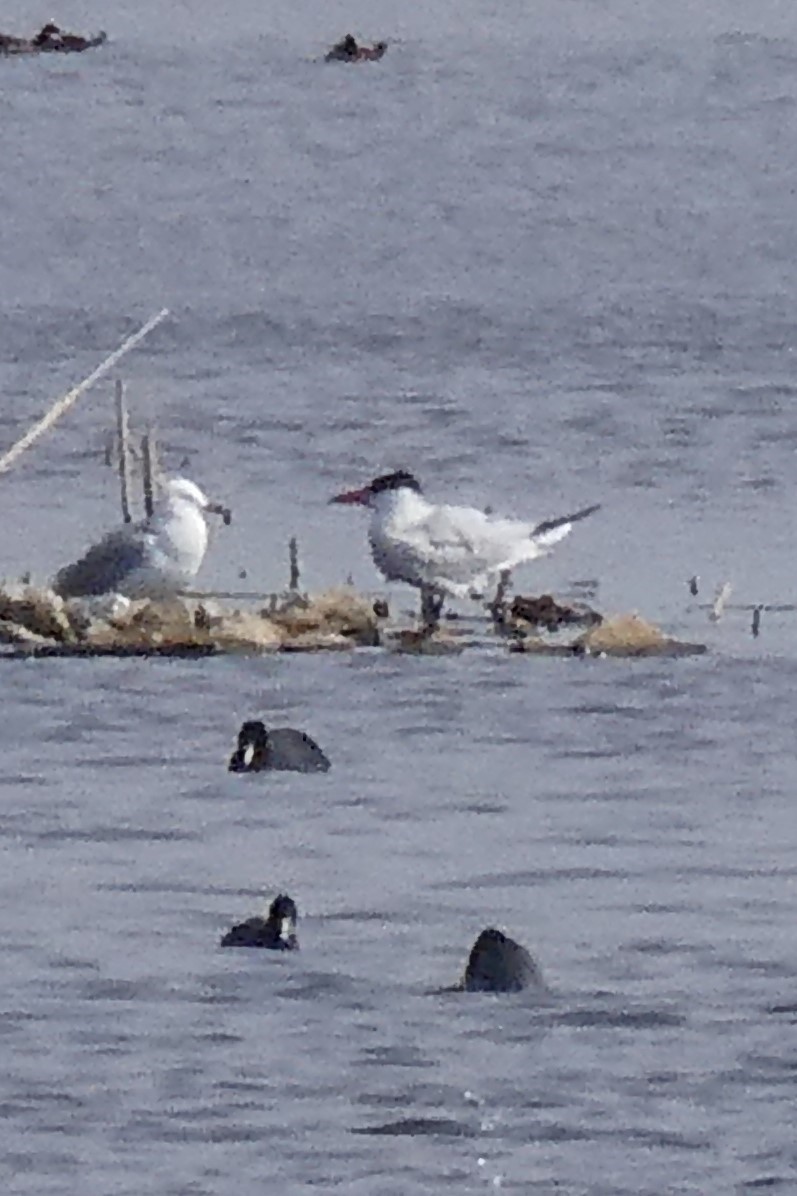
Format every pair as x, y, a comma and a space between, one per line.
36, 621
620, 635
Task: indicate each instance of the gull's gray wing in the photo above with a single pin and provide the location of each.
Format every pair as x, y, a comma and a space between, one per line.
105, 566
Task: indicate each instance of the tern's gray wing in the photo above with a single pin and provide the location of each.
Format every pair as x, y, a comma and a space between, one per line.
105, 566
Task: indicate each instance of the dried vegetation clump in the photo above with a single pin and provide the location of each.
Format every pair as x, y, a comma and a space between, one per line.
337, 618
30, 614
38, 620
624, 635
631, 635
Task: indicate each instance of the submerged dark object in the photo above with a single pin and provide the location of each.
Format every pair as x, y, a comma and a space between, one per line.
546, 612
15, 45
52, 40
497, 964
348, 50
616, 636
49, 40
282, 749
419, 1127
756, 627
275, 932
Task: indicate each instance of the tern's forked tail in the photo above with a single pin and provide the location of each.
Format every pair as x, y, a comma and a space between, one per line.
551, 531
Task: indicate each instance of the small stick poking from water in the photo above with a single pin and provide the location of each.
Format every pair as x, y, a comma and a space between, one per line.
497, 607
149, 453
123, 436
431, 610
692, 583
293, 556
722, 596
756, 621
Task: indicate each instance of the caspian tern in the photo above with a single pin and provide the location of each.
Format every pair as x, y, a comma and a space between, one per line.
443, 549
152, 559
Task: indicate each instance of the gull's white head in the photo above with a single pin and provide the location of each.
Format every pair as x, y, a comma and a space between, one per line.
182, 492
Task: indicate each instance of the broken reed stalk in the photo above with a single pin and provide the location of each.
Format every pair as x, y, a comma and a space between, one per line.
497, 607
756, 627
66, 401
123, 437
431, 610
149, 452
722, 596
293, 555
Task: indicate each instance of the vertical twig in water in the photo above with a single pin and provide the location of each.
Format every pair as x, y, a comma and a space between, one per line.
722, 596
149, 453
497, 607
756, 621
293, 556
123, 438
431, 610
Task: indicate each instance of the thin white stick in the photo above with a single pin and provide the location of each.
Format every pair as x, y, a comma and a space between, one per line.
63, 404
123, 436
723, 594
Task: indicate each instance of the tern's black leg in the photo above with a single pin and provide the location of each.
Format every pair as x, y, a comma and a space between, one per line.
431, 609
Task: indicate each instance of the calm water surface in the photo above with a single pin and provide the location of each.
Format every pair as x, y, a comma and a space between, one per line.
541, 258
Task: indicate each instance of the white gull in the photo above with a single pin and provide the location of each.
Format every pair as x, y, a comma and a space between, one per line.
152, 559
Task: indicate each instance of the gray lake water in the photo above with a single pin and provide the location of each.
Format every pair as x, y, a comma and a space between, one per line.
543, 257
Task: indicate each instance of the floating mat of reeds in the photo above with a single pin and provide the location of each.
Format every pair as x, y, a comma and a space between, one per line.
624, 635
35, 621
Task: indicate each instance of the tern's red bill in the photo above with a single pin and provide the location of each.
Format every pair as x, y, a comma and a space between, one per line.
359, 497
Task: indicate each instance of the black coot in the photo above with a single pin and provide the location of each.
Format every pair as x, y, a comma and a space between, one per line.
277, 931
497, 964
283, 749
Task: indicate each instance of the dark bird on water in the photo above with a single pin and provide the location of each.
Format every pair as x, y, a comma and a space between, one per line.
276, 931
282, 749
497, 964
349, 50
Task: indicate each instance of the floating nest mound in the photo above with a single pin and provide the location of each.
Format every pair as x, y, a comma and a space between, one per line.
338, 618
36, 621
631, 635
29, 615
412, 641
625, 635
